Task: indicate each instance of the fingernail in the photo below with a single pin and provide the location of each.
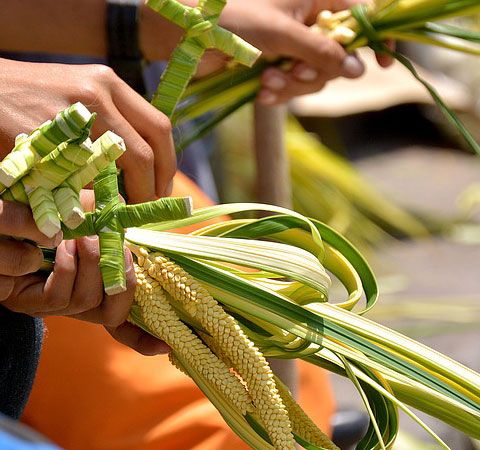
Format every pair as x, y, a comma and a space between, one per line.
128, 257
71, 247
306, 74
275, 82
169, 189
56, 240
267, 98
352, 67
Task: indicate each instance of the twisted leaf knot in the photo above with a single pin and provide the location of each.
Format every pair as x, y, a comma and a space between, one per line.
196, 23
360, 13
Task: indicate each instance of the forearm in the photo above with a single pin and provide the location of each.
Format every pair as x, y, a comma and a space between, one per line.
76, 27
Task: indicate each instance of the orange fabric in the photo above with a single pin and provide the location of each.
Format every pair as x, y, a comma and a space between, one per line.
92, 393
184, 187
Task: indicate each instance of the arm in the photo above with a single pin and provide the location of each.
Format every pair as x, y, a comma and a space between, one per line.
280, 28
76, 27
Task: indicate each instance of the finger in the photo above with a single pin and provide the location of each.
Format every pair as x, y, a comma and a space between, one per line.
137, 162
279, 87
40, 297
212, 61
19, 258
87, 199
17, 220
58, 289
169, 190
384, 59
352, 67
154, 127
315, 49
138, 340
6, 287
267, 97
88, 287
114, 309
26, 296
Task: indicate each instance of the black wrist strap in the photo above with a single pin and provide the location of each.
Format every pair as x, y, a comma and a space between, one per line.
124, 54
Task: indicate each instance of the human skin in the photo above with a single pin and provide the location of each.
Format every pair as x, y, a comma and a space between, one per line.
277, 27
31, 93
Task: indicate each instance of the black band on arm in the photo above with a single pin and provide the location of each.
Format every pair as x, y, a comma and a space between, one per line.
124, 54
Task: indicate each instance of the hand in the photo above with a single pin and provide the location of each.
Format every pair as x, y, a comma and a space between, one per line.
281, 28
74, 288
32, 93
19, 258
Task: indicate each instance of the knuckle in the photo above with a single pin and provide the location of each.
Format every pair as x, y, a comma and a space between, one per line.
90, 94
92, 90
162, 124
54, 302
88, 251
23, 261
144, 158
104, 74
13, 215
94, 300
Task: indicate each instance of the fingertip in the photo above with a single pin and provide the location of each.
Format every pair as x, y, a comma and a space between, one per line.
384, 61
352, 67
274, 80
169, 189
137, 339
151, 346
130, 270
87, 248
305, 73
54, 242
35, 260
87, 199
267, 98
7, 285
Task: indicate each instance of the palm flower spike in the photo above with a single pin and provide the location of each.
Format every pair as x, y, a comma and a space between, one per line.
202, 32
